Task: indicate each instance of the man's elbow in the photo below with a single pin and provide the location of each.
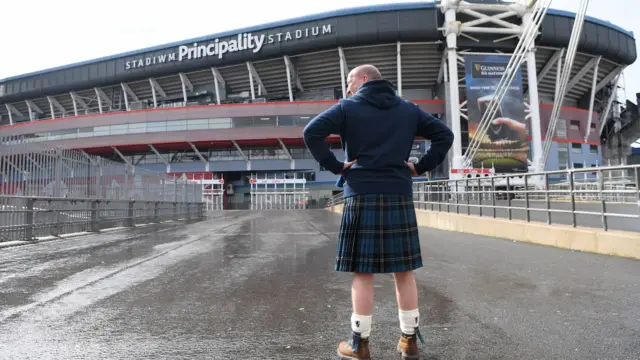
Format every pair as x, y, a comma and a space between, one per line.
307, 134
450, 137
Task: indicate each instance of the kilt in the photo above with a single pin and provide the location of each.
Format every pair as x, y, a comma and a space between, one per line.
378, 234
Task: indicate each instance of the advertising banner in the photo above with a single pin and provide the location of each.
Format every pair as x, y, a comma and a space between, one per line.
504, 145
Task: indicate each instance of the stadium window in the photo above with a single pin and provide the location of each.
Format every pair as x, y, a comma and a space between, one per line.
177, 125
137, 128
302, 120
119, 129
285, 120
593, 149
246, 121
576, 148
577, 165
561, 129
563, 155
157, 126
265, 121
574, 125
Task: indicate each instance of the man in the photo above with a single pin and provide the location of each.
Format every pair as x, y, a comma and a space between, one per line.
379, 231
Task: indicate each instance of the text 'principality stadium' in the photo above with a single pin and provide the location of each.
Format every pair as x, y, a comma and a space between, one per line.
228, 109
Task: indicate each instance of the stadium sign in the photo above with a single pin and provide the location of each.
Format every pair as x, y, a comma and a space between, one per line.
218, 48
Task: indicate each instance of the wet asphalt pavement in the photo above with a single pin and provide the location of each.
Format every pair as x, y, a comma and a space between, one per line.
261, 285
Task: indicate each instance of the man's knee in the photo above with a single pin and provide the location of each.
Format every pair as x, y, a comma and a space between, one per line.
404, 275
363, 276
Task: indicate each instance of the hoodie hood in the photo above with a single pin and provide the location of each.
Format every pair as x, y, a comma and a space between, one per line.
378, 93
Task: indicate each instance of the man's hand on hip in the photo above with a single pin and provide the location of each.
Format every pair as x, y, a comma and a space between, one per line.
412, 167
348, 164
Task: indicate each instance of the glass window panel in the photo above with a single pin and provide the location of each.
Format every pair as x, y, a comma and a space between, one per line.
302, 120
285, 120
176, 127
561, 129
64, 132
574, 124
260, 121
563, 155
85, 134
101, 133
243, 121
119, 129
198, 124
223, 123
576, 148
137, 128
157, 126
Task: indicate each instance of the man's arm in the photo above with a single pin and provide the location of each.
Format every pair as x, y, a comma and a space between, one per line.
441, 138
315, 135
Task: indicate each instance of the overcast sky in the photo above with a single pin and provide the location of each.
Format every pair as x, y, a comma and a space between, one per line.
42, 34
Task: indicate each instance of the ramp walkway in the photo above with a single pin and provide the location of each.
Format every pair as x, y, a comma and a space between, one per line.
261, 285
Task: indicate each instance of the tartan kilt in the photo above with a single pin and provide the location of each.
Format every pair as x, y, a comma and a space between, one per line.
378, 234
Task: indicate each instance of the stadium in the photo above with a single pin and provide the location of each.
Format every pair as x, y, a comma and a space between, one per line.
228, 109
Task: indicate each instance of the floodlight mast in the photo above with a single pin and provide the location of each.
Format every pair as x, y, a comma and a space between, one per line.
564, 79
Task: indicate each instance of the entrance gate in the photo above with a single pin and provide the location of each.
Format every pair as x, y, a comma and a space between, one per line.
278, 194
213, 194
212, 189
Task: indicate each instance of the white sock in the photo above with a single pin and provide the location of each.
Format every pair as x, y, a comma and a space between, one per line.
361, 324
409, 320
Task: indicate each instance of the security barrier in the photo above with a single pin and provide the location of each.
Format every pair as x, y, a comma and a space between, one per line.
52, 192
598, 197
278, 194
30, 218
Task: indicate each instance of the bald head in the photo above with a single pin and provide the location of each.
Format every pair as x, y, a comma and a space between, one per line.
361, 75
369, 71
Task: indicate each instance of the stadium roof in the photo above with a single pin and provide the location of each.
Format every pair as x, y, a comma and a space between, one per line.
287, 22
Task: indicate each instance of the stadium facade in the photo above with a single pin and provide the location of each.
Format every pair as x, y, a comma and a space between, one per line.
233, 105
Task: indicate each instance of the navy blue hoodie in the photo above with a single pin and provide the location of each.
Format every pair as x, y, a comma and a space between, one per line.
378, 129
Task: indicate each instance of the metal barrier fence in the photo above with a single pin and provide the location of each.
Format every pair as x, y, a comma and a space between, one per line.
28, 218
604, 197
47, 192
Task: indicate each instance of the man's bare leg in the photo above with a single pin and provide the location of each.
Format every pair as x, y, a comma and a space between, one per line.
362, 301
407, 296
406, 290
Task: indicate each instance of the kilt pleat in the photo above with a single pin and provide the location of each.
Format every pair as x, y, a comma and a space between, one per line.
378, 234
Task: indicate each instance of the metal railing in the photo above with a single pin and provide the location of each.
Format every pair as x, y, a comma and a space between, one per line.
27, 218
52, 192
604, 197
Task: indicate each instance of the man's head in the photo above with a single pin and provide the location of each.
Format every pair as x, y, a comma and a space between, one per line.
361, 75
